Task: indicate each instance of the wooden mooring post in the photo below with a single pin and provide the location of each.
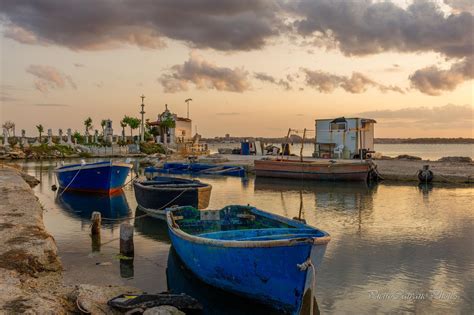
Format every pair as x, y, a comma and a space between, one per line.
126, 240
96, 220
96, 223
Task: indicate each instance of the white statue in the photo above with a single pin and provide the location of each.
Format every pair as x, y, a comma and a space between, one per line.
60, 131
50, 137
24, 141
5, 138
69, 136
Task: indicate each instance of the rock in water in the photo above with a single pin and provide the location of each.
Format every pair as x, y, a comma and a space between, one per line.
408, 157
456, 159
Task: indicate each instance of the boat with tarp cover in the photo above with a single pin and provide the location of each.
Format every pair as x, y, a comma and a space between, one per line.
250, 252
154, 195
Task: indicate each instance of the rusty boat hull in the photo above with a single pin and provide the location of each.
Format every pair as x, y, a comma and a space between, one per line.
324, 170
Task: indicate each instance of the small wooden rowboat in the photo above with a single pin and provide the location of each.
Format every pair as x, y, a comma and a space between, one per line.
327, 170
250, 252
105, 177
153, 196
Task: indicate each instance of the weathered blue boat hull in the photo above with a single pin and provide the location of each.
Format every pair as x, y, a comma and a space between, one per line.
270, 275
104, 177
262, 264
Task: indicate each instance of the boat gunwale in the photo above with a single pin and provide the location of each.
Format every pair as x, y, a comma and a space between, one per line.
75, 167
327, 163
322, 240
198, 185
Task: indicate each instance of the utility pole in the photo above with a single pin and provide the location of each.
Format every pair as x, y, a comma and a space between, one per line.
187, 102
142, 134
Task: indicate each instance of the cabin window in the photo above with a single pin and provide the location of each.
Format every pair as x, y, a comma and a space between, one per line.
338, 126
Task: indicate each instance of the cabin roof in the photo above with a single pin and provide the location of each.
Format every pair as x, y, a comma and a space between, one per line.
344, 119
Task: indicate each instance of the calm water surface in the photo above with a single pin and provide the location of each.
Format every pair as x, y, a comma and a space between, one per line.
394, 248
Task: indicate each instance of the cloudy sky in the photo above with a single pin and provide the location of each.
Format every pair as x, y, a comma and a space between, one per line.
252, 67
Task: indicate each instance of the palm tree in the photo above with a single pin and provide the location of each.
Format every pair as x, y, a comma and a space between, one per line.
133, 123
123, 124
103, 123
40, 130
88, 124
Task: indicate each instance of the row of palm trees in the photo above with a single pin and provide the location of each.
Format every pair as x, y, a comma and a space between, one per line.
131, 122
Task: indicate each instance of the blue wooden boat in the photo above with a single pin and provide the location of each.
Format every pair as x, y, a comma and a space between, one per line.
196, 169
250, 252
103, 177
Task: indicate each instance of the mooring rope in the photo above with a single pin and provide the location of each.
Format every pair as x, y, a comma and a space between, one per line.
147, 214
303, 267
64, 190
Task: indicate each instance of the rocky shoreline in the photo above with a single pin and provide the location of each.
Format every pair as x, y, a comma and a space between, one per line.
31, 279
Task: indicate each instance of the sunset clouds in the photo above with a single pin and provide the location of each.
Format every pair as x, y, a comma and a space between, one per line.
434, 81
104, 24
256, 58
356, 83
355, 28
48, 78
205, 76
425, 117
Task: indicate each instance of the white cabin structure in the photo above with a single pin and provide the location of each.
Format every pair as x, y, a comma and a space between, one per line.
342, 137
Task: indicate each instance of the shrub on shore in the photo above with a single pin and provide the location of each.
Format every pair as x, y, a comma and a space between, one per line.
45, 150
151, 148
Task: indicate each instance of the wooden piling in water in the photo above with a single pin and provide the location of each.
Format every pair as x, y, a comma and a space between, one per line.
126, 240
96, 223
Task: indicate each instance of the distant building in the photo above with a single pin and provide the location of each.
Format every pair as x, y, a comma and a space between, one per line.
172, 129
343, 137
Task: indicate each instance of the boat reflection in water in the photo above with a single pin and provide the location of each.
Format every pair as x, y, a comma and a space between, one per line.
327, 195
82, 205
150, 227
214, 301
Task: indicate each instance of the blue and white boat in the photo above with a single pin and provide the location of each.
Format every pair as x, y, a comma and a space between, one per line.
195, 169
103, 177
250, 252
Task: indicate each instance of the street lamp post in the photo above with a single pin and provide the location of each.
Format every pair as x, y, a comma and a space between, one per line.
187, 102
142, 133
